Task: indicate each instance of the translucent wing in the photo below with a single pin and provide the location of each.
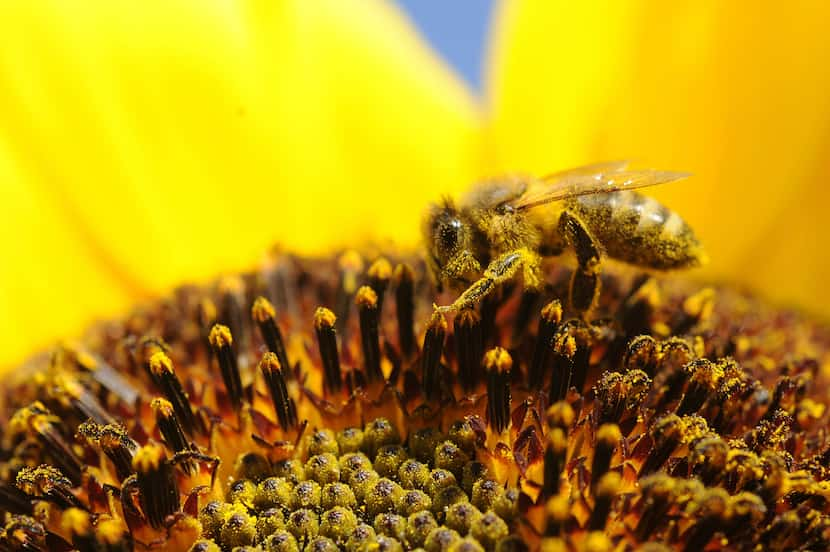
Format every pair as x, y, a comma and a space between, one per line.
578, 182
586, 170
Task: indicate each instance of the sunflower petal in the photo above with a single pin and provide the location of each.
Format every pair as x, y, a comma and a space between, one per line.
738, 96
172, 140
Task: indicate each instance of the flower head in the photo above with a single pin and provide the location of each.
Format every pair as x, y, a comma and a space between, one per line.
309, 406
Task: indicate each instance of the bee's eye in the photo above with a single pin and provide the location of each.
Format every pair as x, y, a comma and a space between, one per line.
448, 234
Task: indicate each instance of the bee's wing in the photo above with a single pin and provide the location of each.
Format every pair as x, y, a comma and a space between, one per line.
570, 184
586, 170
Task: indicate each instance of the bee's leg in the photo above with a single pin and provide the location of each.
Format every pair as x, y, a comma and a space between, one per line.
500, 269
463, 264
585, 281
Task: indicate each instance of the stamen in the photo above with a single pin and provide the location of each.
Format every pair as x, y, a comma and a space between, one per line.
105, 535
221, 341
265, 316
368, 305
350, 264
147, 347
580, 363
675, 353
431, 356
405, 308
14, 501
557, 513
543, 352
171, 388
638, 308
787, 390
560, 417
704, 377
324, 321
119, 448
498, 364
610, 397
158, 493
666, 433
607, 439
606, 489
657, 491
619, 396
169, 426
113, 380
207, 318
379, 273
565, 348
554, 461
47, 482
469, 343
696, 308
707, 459
171, 430
713, 508
527, 307
72, 395
642, 354
284, 406
232, 314
488, 308
36, 419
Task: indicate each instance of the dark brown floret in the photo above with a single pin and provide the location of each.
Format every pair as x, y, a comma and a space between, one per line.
264, 315
498, 364
368, 305
274, 376
405, 308
158, 490
432, 378
324, 321
469, 343
222, 341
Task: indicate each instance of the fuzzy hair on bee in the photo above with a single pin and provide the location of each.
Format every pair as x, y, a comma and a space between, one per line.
501, 230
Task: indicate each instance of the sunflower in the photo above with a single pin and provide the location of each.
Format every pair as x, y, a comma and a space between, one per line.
317, 402
146, 145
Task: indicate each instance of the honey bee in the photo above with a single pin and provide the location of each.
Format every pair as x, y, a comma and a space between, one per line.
502, 229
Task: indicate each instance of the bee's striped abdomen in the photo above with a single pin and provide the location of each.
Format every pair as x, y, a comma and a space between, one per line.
638, 230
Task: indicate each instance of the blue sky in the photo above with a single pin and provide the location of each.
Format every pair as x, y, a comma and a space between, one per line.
457, 29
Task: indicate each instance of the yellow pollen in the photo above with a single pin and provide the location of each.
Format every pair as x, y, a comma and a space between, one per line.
381, 269
324, 318
162, 406
609, 484
366, 297
499, 359
262, 310
552, 312
437, 321
269, 363
560, 414
75, 521
161, 363
148, 457
609, 433
220, 336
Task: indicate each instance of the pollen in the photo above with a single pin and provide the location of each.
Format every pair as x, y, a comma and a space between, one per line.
318, 405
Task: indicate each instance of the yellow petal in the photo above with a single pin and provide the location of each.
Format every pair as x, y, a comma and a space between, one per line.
149, 143
737, 95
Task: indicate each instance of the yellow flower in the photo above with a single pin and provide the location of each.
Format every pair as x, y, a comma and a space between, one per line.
143, 144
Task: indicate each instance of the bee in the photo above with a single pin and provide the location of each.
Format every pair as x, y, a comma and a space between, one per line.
501, 229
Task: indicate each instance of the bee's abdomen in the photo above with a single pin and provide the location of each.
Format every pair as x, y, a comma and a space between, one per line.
638, 230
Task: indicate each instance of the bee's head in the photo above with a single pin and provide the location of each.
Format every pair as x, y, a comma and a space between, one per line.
447, 236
